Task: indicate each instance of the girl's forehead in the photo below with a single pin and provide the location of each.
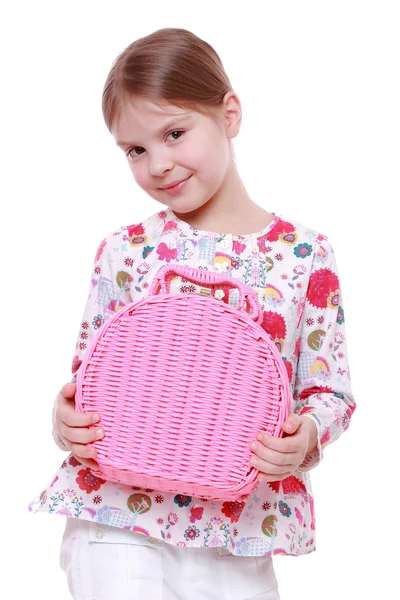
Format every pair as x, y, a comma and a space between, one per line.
139, 107
144, 116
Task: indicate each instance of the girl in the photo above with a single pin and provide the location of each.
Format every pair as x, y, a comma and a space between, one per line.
170, 107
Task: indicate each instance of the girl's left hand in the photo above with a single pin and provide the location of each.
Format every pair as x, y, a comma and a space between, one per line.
278, 457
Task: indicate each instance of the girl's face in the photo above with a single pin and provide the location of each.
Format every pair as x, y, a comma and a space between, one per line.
168, 144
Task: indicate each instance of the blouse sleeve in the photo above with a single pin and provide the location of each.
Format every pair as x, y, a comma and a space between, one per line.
109, 291
322, 388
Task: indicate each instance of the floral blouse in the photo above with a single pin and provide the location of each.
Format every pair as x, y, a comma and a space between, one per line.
293, 270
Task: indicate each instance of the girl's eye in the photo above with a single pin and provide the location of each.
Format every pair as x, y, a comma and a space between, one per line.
129, 155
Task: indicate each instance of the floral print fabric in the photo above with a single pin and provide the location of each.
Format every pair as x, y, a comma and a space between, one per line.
293, 270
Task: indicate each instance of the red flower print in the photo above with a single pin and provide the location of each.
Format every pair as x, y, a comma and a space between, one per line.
135, 230
292, 485
289, 368
323, 284
165, 253
100, 250
274, 485
97, 499
88, 482
159, 499
266, 506
73, 462
85, 325
280, 227
274, 324
233, 510
170, 226
76, 363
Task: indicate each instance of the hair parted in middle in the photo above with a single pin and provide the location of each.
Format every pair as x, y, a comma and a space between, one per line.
170, 65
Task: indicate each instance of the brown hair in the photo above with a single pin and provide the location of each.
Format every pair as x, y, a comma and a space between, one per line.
170, 65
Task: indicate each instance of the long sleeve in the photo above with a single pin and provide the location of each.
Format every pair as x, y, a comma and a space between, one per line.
322, 389
109, 291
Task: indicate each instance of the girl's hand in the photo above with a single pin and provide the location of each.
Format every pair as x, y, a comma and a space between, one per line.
277, 458
74, 427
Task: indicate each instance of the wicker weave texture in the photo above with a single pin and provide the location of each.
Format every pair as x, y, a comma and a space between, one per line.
182, 384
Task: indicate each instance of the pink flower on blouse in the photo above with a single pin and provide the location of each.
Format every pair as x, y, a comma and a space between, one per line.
100, 250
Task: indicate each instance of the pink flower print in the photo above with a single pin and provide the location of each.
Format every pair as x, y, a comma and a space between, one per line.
172, 518
100, 250
128, 262
299, 270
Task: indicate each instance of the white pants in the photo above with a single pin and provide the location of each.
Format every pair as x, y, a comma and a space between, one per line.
107, 563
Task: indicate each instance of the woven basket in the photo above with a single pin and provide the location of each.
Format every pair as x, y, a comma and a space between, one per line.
182, 384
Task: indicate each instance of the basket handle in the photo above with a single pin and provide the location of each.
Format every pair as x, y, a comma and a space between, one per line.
247, 296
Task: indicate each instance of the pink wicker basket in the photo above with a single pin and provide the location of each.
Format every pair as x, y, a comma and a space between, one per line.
182, 384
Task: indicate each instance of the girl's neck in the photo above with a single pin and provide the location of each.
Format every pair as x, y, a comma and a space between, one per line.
230, 210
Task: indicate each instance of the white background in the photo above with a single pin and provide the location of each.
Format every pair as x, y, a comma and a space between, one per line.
319, 87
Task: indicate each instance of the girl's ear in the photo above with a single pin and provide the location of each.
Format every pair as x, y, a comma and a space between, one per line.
233, 114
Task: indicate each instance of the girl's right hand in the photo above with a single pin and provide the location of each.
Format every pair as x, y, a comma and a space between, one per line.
74, 427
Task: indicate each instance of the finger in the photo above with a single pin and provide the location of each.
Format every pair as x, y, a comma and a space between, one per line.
269, 468
83, 451
87, 462
287, 444
272, 456
68, 415
81, 435
68, 390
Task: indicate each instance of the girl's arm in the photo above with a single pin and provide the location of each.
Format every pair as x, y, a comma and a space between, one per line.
322, 389
108, 290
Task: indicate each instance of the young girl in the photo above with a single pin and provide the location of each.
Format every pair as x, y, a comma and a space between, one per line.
170, 107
